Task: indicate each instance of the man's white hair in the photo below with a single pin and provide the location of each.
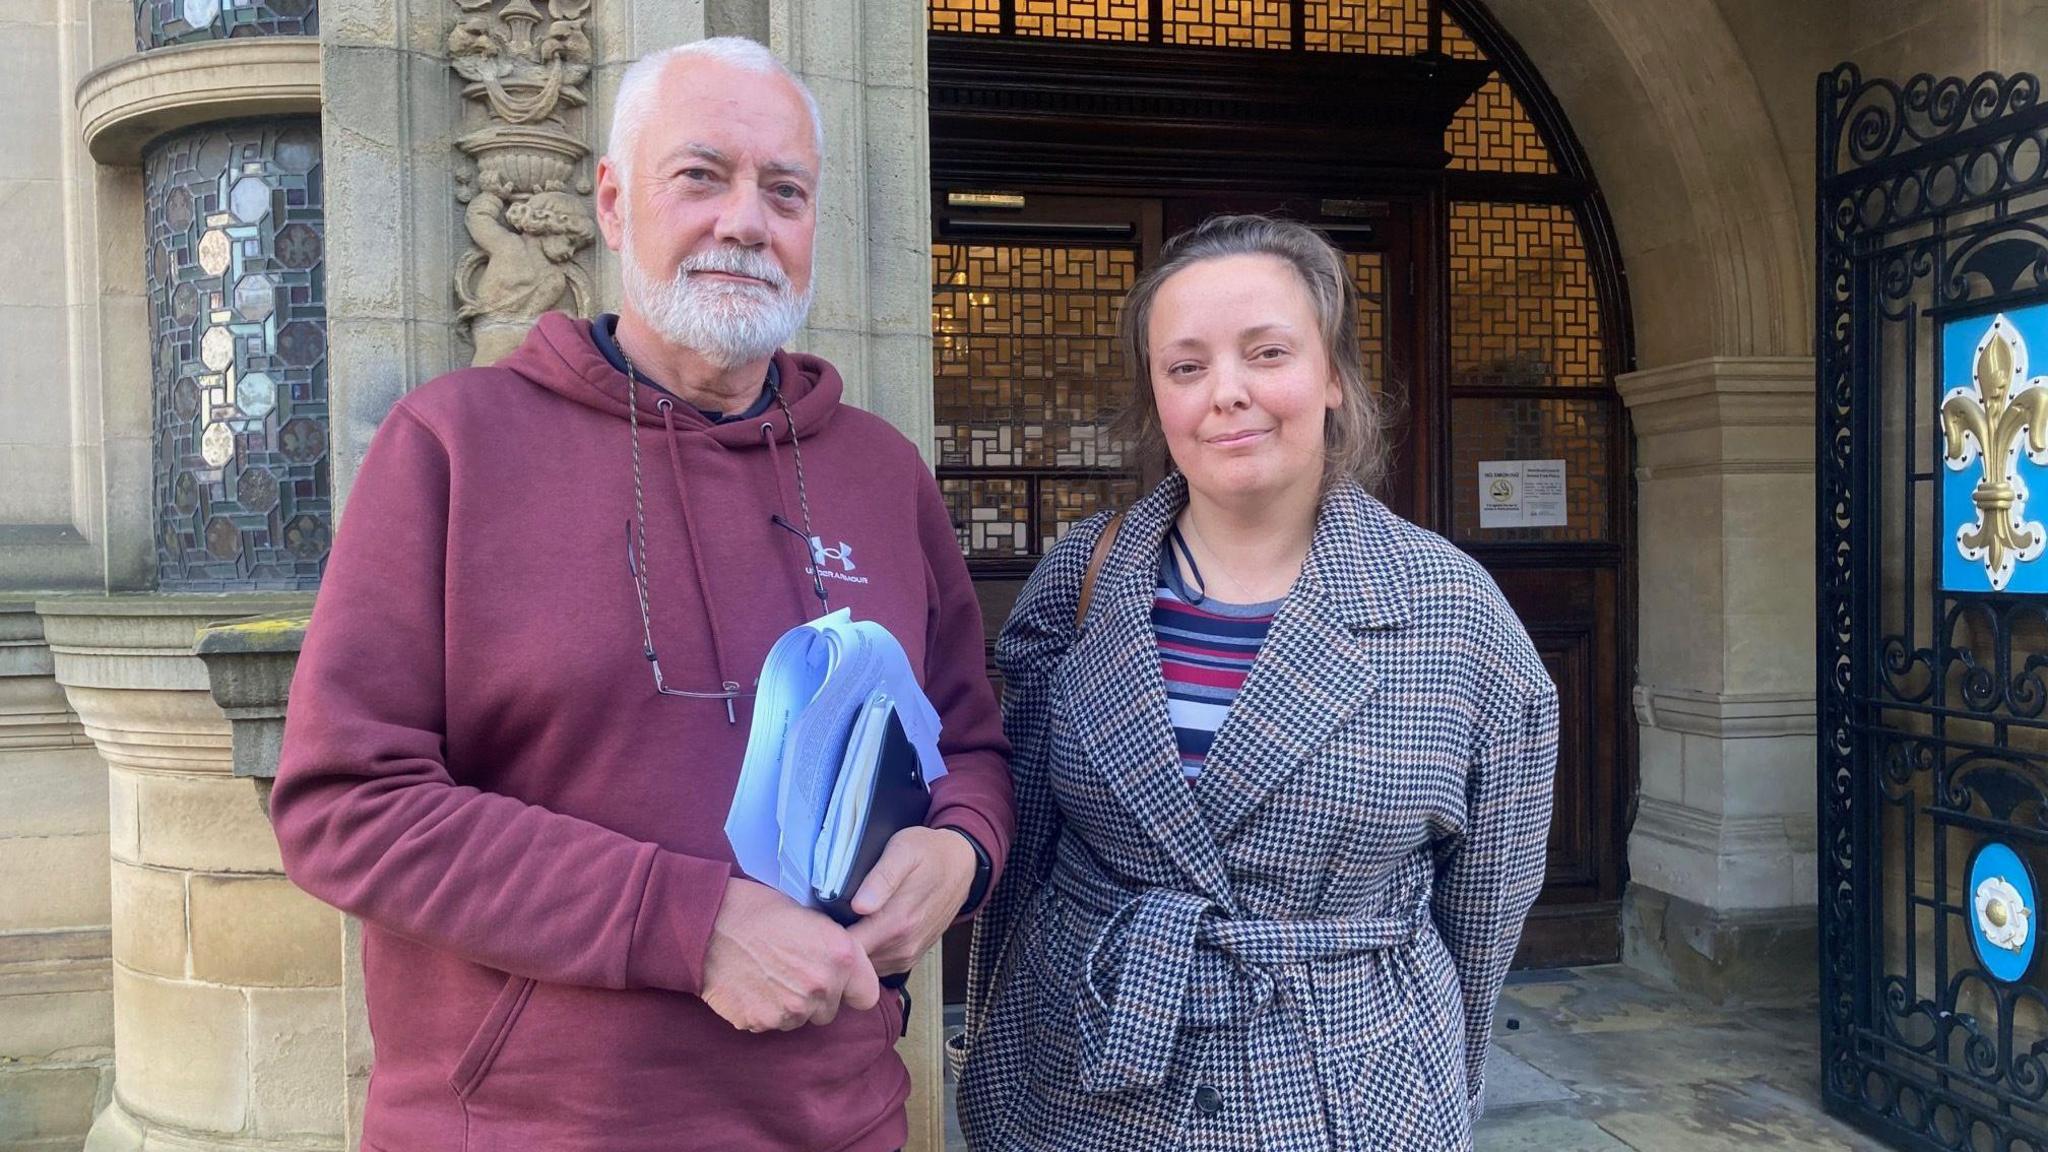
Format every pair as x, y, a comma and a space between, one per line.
636, 103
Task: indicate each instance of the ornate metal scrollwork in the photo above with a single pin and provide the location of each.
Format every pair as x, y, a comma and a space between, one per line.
1932, 237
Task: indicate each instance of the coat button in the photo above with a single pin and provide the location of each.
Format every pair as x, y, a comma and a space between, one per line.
1208, 1100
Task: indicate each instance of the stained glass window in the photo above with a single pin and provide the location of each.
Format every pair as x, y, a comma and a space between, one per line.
163, 22
237, 305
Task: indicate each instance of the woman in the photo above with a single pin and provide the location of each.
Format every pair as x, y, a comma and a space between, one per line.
1283, 795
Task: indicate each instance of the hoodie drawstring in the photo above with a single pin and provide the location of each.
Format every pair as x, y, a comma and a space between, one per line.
675, 464
812, 549
638, 565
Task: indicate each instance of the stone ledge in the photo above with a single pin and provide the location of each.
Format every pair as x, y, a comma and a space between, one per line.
1725, 715
63, 960
34, 716
128, 103
143, 641
1755, 958
22, 650
1715, 833
1720, 392
250, 664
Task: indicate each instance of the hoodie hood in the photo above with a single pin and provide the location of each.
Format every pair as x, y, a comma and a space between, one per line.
560, 356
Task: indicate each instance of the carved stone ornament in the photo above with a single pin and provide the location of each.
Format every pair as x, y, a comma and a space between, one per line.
527, 213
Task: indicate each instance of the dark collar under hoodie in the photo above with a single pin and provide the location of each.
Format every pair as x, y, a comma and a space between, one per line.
604, 334
477, 765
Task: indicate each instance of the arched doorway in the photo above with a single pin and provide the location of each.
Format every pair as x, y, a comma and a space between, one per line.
1070, 137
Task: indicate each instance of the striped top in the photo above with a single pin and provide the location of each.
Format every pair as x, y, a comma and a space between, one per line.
1205, 652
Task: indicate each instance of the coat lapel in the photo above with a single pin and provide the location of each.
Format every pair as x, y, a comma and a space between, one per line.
1118, 697
1313, 671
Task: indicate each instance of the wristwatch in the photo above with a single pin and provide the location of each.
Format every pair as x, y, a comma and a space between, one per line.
977, 891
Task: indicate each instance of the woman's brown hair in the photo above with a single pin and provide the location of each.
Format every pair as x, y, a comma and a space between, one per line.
1354, 441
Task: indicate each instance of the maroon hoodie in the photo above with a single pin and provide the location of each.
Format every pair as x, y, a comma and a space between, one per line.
477, 765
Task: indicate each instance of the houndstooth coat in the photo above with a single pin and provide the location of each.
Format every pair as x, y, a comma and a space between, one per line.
1303, 949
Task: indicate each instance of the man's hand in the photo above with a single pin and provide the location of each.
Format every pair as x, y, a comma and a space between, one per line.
911, 894
773, 966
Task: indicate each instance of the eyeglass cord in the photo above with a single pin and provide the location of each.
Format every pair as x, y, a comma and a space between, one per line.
639, 566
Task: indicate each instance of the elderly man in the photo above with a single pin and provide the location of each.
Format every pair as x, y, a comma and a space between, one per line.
524, 701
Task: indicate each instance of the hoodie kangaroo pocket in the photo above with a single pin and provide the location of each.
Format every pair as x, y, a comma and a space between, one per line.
483, 1047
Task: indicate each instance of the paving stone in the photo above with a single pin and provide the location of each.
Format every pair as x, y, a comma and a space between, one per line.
1524, 1132
1715, 1117
1512, 1082
1603, 1060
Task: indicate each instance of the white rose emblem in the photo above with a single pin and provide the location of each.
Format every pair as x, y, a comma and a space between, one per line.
2001, 916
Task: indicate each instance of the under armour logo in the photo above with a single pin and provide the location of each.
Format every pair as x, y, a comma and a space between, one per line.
843, 554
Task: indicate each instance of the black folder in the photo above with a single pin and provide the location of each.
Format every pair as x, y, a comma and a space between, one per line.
900, 800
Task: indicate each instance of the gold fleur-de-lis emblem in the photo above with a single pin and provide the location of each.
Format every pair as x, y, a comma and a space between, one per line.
1986, 418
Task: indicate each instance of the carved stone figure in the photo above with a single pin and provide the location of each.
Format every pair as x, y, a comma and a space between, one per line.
526, 214
524, 264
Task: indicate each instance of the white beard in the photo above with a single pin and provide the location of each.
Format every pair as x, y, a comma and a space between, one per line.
727, 324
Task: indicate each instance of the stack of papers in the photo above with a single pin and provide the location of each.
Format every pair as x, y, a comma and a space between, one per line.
836, 707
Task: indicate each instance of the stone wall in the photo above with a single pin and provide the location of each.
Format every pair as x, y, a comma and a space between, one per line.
56, 1014
62, 447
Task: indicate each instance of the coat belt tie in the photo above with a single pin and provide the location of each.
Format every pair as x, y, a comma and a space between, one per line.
1163, 960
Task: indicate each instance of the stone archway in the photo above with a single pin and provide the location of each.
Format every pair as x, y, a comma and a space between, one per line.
1713, 227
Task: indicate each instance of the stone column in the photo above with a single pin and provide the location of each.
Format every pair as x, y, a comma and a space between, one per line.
226, 979
56, 1013
1722, 856
865, 62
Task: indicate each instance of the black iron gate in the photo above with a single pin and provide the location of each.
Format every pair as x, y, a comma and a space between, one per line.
1932, 350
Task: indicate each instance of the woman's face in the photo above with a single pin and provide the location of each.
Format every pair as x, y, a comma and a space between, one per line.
1240, 377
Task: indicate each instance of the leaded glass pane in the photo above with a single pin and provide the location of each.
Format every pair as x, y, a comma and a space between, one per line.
1368, 272
1064, 502
991, 515
1378, 27
1085, 19
1493, 133
1574, 430
1027, 375
162, 22
965, 15
237, 303
1523, 306
1026, 354
1524, 314
1230, 23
